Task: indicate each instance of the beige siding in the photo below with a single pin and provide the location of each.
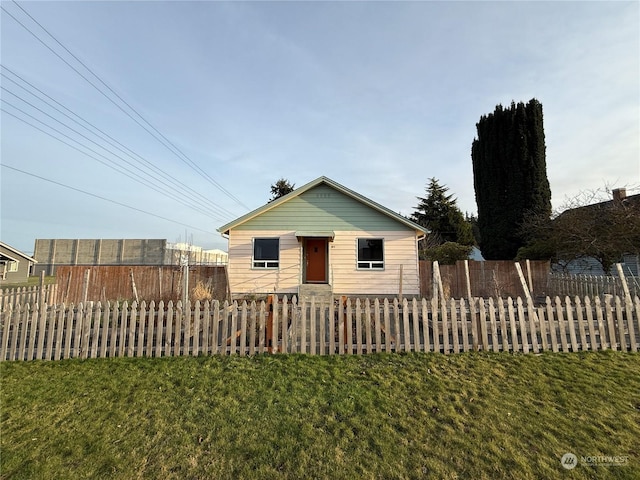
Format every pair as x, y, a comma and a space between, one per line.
399, 249
243, 279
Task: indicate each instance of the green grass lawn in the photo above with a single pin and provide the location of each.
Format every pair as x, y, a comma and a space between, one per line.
379, 416
30, 282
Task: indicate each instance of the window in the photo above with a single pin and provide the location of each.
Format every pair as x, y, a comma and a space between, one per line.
13, 266
370, 253
266, 252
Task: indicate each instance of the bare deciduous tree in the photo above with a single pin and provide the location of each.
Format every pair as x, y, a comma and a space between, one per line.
601, 224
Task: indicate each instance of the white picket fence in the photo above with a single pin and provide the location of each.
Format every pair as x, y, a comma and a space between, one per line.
11, 297
590, 285
284, 326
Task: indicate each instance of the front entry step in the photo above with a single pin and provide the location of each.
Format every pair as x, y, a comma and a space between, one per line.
320, 292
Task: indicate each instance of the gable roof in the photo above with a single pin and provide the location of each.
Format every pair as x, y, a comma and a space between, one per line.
15, 252
601, 208
331, 183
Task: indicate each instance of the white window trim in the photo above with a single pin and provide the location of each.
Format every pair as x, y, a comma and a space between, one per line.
12, 266
264, 264
369, 264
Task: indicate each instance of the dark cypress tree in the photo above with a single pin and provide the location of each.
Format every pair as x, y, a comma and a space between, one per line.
510, 176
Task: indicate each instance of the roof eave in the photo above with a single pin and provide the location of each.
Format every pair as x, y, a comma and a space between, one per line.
224, 229
18, 252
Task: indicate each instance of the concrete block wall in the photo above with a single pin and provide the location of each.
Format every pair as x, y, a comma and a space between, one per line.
50, 253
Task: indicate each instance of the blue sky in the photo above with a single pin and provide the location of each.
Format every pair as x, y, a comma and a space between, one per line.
224, 98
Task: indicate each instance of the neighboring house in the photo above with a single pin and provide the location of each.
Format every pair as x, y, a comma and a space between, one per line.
15, 266
323, 234
476, 254
591, 266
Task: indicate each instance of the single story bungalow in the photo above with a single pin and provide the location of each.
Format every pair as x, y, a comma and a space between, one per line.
323, 235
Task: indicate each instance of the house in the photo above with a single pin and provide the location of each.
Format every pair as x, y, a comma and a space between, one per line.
323, 236
15, 266
597, 224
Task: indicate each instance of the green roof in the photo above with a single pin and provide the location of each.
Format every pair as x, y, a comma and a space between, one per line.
315, 183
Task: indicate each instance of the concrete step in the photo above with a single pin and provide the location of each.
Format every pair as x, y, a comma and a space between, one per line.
319, 291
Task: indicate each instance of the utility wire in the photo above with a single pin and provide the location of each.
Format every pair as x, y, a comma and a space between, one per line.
106, 137
166, 143
200, 207
103, 198
186, 158
130, 175
109, 163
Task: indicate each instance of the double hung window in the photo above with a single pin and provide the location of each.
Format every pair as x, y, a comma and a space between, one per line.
370, 253
266, 253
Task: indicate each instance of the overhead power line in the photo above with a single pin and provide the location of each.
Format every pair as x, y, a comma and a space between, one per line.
168, 187
157, 135
104, 198
93, 129
108, 163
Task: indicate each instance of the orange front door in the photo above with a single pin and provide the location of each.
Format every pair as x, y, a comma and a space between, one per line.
316, 260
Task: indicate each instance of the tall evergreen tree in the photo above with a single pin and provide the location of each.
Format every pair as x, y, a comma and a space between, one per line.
439, 213
510, 176
281, 188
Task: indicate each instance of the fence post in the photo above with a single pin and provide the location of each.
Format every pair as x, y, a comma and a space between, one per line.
621, 326
468, 278
285, 324
274, 325
269, 326
613, 341
474, 325
243, 326
4, 346
342, 324
85, 286
463, 326
625, 286
41, 292
133, 287
437, 281
185, 279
